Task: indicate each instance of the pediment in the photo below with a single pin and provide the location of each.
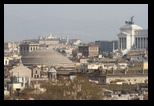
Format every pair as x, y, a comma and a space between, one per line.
124, 34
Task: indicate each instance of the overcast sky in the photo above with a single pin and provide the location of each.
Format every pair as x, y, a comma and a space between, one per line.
89, 22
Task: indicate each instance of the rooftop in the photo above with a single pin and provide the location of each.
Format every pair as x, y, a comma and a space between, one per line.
131, 27
47, 57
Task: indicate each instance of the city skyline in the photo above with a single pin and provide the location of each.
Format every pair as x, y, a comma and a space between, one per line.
88, 22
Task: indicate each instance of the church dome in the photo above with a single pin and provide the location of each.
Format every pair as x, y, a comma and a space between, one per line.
46, 57
131, 27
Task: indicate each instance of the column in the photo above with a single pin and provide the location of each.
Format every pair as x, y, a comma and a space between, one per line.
119, 43
144, 43
147, 42
138, 42
141, 42
125, 42
135, 42
113, 47
122, 43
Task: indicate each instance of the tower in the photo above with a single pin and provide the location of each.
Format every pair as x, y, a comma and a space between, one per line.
52, 74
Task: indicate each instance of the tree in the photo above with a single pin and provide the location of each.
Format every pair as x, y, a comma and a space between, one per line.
78, 89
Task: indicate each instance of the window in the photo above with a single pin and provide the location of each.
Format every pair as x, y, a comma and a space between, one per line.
102, 80
36, 72
5, 62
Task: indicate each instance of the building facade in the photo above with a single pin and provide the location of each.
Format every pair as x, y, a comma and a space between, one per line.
139, 65
107, 46
131, 37
48, 40
27, 47
10, 45
11, 48
89, 50
36, 72
84, 50
130, 78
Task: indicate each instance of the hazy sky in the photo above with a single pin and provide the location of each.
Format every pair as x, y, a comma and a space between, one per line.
88, 22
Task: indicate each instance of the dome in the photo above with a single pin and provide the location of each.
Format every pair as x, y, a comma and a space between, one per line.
131, 27
46, 57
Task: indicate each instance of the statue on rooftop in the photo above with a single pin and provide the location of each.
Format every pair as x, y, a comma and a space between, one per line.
130, 22
132, 18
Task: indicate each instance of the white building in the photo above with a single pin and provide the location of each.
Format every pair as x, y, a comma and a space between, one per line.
83, 61
132, 36
122, 65
77, 42
105, 66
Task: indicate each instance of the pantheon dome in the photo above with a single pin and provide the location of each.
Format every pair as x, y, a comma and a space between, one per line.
46, 57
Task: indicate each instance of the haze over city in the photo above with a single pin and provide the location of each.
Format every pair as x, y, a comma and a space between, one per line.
88, 22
